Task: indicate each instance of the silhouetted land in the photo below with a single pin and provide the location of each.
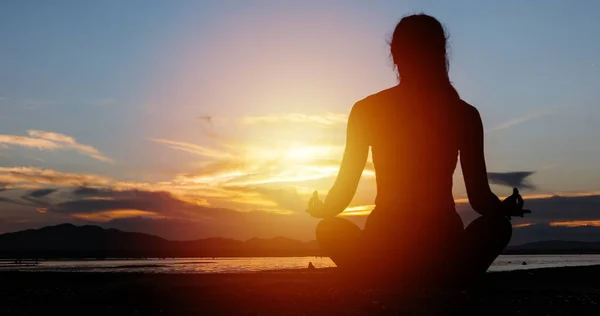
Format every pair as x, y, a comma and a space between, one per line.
555, 247
69, 241
555, 291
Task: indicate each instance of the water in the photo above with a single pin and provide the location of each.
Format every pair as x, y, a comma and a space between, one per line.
229, 265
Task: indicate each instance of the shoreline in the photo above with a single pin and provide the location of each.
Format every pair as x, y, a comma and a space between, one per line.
545, 291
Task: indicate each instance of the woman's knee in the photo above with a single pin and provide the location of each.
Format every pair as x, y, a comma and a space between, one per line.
502, 226
497, 226
325, 225
336, 228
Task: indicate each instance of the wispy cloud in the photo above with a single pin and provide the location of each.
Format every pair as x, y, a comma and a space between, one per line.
51, 141
28, 176
24, 141
248, 165
192, 148
520, 120
326, 119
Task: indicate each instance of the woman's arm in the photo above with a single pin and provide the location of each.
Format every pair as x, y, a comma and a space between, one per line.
472, 161
352, 166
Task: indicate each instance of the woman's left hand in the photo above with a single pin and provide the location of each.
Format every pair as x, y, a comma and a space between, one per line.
316, 208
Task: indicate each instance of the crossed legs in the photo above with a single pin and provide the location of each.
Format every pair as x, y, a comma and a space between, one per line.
470, 255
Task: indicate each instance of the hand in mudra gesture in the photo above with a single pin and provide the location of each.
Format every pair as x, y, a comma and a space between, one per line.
316, 207
513, 205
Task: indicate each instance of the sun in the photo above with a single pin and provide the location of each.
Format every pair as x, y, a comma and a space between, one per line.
301, 153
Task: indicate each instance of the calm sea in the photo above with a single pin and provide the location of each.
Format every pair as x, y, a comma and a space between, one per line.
228, 265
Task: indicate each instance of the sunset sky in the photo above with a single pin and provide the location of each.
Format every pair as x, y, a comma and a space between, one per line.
190, 119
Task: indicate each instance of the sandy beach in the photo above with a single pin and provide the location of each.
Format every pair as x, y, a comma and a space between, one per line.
554, 291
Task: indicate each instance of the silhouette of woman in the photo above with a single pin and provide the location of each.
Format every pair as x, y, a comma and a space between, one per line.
415, 131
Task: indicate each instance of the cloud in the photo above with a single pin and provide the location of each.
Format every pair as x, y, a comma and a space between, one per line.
13, 201
71, 143
18, 176
88, 200
51, 141
182, 216
259, 165
40, 193
140, 210
574, 217
595, 223
550, 209
520, 120
326, 119
192, 148
23, 141
285, 198
515, 179
38, 197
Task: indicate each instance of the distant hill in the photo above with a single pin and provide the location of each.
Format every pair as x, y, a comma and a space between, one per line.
70, 241
555, 247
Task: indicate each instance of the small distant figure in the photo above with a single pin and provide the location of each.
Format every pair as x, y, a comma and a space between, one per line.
311, 266
524, 263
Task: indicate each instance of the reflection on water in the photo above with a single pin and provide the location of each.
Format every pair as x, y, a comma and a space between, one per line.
515, 262
228, 265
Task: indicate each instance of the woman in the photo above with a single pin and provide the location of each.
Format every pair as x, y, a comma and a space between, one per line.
416, 131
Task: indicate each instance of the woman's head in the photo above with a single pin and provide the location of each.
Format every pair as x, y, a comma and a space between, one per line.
418, 48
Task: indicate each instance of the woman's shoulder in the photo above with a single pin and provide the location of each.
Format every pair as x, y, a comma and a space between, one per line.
376, 100
388, 94
470, 111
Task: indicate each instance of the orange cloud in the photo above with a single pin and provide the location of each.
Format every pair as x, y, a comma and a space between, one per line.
522, 225
114, 214
27, 176
595, 223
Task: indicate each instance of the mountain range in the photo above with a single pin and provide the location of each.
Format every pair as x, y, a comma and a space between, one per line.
70, 241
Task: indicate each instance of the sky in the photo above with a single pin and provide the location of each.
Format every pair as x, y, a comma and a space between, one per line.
191, 119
